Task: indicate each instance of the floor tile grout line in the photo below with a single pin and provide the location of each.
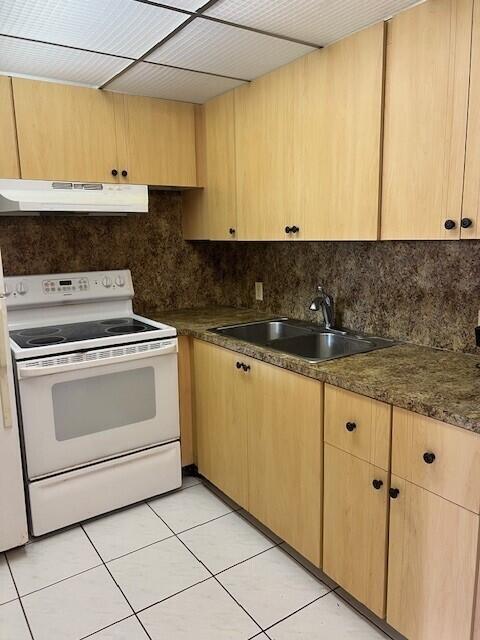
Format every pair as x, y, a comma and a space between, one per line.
89, 635
177, 533
255, 555
360, 613
116, 583
310, 571
52, 584
145, 546
19, 598
271, 626
172, 595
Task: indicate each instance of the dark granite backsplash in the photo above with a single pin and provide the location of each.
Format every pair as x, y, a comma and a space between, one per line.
423, 292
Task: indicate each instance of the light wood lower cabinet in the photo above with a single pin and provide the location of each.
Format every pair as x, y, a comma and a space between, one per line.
284, 455
220, 419
355, 535
259, 439
432, 566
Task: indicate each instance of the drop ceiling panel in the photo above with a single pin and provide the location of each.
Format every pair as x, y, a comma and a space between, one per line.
120, 27
217, 48
172, 84
316, 21
56, 63
189, 5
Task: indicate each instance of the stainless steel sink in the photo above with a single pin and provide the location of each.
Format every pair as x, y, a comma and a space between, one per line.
307, 341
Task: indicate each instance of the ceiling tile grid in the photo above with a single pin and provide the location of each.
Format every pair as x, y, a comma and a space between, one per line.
171, 84
119, 27
56, 63
213, 47
320, 22
187, 5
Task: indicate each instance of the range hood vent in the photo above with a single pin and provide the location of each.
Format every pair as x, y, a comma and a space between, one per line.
42, 197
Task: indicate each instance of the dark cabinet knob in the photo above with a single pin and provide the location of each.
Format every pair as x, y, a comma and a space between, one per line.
124, 173
295, 229
393, 493
466, 222
429, 457
231, 231
114, 172
245, 367
238, 365
288, 229
350, 426
450, 224
377, 484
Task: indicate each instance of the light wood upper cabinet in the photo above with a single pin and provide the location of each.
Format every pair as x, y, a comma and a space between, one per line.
64, 132
432, 565
426, 94
285, 455
159, 144
9, 165
340, 127
268, 164
471, 196
211, 213
355, 536
220, 419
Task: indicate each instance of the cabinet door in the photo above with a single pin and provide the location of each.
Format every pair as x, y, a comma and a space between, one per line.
212, 212
432, 565
340, 128
159, 142
285, 455
9, 166
267, 155
426, 92
355, 520
220, 419
471, 196
64, 132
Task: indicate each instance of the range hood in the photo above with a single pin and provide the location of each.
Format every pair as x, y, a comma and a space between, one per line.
40, 197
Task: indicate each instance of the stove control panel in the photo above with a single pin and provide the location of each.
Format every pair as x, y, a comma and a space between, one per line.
66, 285
42, 290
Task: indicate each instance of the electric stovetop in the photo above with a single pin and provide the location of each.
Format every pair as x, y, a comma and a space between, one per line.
78, 331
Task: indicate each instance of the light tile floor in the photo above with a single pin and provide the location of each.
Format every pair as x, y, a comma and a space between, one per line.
186, 565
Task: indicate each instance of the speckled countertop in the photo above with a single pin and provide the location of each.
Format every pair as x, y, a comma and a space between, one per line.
440, 384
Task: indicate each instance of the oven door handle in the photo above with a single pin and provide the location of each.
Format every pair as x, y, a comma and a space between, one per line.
34, 370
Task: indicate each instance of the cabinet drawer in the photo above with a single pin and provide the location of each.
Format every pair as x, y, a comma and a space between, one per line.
358, 425
438, 457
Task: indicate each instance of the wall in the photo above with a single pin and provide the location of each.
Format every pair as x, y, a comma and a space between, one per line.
422, 292
167, 272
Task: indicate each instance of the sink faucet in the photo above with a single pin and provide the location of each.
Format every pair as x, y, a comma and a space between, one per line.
324, 303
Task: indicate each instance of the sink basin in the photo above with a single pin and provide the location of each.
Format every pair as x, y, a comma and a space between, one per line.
263, 333
323, 346
304, 340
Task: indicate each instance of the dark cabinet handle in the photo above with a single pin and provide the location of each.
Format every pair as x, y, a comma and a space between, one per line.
429, 457
288, 229
393, 493
238, 365
377, 484
114, 172
124, 173
231, 231
350, 426
295, 229
450, 224
466, 222
245, 367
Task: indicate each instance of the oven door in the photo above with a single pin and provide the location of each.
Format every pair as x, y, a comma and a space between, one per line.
85, 407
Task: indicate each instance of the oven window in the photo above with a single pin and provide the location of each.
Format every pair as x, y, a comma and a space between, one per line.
90, 405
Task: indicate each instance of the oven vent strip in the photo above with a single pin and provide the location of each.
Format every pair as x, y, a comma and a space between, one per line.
95, 356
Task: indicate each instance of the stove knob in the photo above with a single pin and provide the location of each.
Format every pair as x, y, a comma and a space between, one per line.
107, 281
120, 281
22, 288
7, 290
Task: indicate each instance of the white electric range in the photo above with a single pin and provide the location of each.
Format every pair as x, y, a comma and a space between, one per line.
97, 395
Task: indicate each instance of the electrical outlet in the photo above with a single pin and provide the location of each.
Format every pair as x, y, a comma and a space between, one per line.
259, 291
